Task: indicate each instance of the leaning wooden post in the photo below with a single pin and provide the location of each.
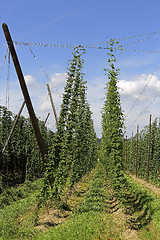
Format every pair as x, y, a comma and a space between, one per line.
126, 155
51, 99
137, 149
46, 118
24, 89
149, 147
12, 130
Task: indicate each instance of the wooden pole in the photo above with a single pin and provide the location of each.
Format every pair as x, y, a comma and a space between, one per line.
24, 89
126, 155
12, 130
149, 147
46, 119
51, 99
137, 149
131, 153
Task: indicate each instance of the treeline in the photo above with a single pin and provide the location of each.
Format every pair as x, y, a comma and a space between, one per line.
21, 159
142, 153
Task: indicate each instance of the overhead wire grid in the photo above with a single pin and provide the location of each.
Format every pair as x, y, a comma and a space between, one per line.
94, 46
150, 77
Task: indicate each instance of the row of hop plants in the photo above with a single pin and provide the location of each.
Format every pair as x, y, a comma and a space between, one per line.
74, 145
21, 160
74, 152
142, 153
111, 150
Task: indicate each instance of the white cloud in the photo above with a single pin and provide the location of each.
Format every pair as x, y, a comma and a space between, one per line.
139, 98
30, 81
58, 79
129, 91
45, 106
128, 88
144, 85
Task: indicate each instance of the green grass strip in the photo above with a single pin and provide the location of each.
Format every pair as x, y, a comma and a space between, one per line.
12, 194
150, 231
9, 228
79, 227
88, 222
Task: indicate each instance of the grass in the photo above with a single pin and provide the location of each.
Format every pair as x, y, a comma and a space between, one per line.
10, 214
10, 195
89, 219
150, 231
86, 226
18, 214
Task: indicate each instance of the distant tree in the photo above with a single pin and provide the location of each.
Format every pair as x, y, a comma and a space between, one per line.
21, 159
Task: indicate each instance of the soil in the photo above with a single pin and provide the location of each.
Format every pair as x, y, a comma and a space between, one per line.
119, 217
153, 188
53, 216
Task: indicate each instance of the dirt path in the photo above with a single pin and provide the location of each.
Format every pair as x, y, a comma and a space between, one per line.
53, 216
116, 212
153, 188
119, 219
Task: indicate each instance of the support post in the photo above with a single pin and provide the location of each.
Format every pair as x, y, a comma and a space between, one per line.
12, 130
24, 89
137, 149
51, 99
126, 155
149, 143
131, 153
46, 119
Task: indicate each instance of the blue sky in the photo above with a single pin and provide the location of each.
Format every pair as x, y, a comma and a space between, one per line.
84, 22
